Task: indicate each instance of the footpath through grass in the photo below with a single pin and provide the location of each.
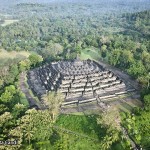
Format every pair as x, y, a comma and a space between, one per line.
82, 124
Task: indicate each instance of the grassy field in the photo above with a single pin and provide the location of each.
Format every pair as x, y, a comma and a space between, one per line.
84, 125
90, 53
12, 54
24, 101
127, 106
7, 22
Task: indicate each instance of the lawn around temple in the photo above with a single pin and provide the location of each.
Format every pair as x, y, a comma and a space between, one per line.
84, 132
90, 53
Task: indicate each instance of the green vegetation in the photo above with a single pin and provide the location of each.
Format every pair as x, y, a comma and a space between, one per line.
139, 119
8, 22
53, 101
89, 133
13, 54
90, 53
34, 34
82, 124
128, 105
11, 68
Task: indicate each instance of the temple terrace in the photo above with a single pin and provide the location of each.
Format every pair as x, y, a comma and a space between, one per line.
79, 81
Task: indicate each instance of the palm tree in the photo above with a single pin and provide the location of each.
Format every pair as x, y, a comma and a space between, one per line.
27, 125
53, 101
106, 143
28, 134
110, 119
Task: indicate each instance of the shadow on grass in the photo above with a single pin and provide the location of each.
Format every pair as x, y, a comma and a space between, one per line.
82, 124
92, 128
127, 106
54, 137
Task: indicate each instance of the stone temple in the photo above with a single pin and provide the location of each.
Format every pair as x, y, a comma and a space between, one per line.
79, 81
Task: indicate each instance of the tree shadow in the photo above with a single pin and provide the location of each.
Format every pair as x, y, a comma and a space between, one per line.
127, 106
91, 128
54, 137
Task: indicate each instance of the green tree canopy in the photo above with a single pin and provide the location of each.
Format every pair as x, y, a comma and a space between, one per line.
53, 101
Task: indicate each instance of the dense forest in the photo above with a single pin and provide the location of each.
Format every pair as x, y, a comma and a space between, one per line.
118, 32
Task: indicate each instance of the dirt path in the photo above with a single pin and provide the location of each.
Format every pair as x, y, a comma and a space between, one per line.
133, 144
25, 90
75, 133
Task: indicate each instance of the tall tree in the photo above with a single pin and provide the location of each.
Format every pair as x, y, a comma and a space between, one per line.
35, 125
35, 59
53, 101
110, 119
